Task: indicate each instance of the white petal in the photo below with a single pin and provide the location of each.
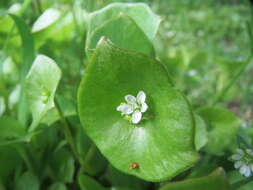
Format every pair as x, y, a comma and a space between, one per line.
243, 169
121, 107
130, 99
247, 172
136, 117
144, 107
125, 109
236, 157
238, 164
141, 97
240, 151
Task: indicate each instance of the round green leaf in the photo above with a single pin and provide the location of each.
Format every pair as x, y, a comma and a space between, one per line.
139, 12
123, 32
216, 180
222, 127
41, 83
163, 143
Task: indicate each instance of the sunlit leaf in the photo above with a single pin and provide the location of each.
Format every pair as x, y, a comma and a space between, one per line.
163, 144
47, 18
41, 83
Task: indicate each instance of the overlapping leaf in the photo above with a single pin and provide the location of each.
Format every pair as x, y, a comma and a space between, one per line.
102, 23
216, 180
124, 32
222, 127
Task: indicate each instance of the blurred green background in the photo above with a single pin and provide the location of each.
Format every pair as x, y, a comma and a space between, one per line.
202, 42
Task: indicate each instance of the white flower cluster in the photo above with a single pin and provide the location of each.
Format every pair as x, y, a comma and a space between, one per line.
244, 161
134, 107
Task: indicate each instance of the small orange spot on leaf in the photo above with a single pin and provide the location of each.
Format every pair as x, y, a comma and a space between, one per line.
134, 165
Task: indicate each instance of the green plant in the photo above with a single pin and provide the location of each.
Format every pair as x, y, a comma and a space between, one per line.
124, 112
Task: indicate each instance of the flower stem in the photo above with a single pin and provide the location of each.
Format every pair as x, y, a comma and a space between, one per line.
67, 133
91, 152
23, 153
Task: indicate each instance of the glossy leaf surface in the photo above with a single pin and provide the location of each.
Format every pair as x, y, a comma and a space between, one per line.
162, 144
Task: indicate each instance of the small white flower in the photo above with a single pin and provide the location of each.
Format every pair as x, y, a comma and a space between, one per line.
243, 161
135, 106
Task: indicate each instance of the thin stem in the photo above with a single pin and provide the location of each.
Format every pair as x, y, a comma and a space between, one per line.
230, 84
67, 133
23, 153
39, 6
91, 152
241, 183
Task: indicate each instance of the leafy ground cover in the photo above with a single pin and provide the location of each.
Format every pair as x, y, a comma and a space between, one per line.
126, 95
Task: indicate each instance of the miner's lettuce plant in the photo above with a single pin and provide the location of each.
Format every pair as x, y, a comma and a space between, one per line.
122, 119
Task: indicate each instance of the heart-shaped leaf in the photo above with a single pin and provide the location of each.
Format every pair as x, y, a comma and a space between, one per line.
222, 127
216, 180
121, 30
162, 144
41, 83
